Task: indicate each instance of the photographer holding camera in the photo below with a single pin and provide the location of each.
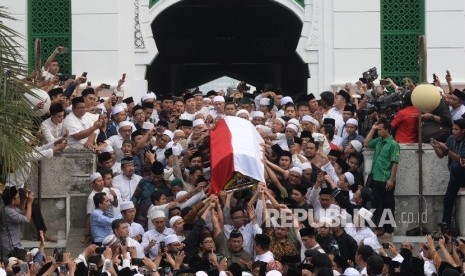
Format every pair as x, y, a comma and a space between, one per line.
14, 217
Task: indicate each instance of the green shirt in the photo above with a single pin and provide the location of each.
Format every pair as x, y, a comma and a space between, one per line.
387, 152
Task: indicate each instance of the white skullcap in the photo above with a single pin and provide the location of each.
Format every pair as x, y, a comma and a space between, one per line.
123, 105
242, 111
286, 100
108, 149
125, 123
293, 127
180, 194
147, 125
293, 121
207, 99
281, 121
168, 133
352, 121
201, 273
297, 170
109, 240
126, 205
265, 101
258, 114
156, 213
305, 165
117, 109
94, 176
365, 214
218, 99
350, 178
173, 220
148, 96
357, 145
350, 271
310, 119
198, 122
171, 239
372, 243
274, 273
178, 131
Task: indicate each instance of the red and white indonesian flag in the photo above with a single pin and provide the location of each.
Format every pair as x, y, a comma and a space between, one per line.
235, 147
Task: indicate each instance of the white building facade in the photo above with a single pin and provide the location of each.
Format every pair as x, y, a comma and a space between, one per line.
339, 40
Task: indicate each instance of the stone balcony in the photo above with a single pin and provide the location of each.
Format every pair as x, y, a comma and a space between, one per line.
435, 179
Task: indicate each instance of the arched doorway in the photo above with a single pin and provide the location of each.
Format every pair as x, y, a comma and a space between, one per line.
251, 40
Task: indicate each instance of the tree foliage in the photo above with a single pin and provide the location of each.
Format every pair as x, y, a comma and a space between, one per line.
16, 114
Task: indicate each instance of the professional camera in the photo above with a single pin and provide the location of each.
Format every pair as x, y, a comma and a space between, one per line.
369, 76
388, 105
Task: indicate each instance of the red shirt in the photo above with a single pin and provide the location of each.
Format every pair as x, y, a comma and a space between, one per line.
406, 124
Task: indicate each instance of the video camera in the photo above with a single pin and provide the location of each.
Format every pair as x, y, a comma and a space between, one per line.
388, 105
369, 76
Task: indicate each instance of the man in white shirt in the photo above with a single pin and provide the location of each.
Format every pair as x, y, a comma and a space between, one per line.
127, 181
199, 106
163, 143
277, 136
327, 102
456, 99
152, 238
262, 248
128, 211
235, 221
322, 201
52, 128
96, 180
116, 141
51, 66
190, 107
218, 103
121, 231
81, 128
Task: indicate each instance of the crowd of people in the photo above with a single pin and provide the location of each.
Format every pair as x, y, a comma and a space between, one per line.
150, 211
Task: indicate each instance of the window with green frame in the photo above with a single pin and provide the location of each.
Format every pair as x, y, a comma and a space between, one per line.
402, 22
50, 20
